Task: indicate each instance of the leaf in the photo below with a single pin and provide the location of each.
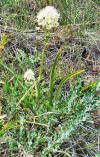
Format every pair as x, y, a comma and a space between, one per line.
13, 72
52, 76
90, 85
64, 81
5, 66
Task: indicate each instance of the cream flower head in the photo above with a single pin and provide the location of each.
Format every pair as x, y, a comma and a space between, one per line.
29, 76
48, 17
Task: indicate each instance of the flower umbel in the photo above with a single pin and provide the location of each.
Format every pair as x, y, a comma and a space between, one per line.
48, 17
29, 76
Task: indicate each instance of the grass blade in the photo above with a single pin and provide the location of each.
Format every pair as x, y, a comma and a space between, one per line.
89, 86
13, 72
64, 81
5, 66
52, 76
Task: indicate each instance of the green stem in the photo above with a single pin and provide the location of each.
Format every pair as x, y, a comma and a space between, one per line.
41, 67
36, 89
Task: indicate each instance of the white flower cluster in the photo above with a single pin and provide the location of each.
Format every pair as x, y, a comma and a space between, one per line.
29, 76
48, 17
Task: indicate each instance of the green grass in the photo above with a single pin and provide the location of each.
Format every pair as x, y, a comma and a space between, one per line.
59, 121
50, 129
19, 14
78, 12
32, 127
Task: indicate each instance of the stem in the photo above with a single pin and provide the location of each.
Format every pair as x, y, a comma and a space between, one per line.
36, 89
41, 67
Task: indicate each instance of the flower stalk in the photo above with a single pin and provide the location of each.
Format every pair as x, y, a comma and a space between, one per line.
41, 67
47, 19
44, 50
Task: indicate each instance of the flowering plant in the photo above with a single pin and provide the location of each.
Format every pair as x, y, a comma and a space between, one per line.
29, 76
48, 17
